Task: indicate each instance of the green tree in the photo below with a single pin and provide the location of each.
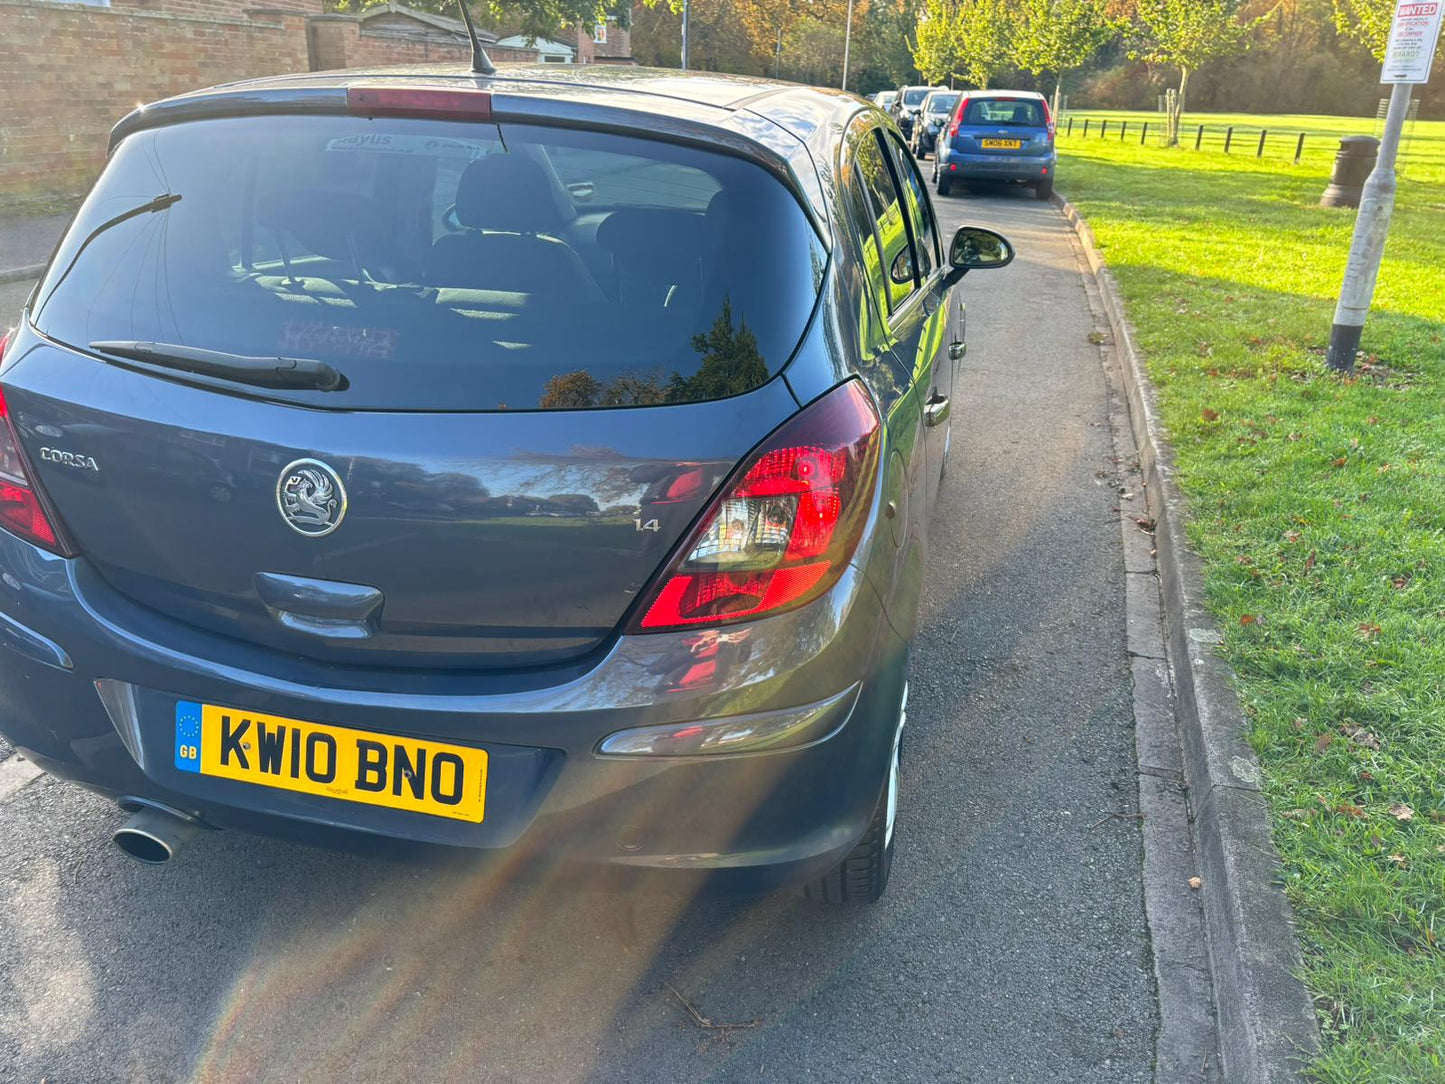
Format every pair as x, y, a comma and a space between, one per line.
1365, 21
1058, 36
971, 40
935, 48
1187, 34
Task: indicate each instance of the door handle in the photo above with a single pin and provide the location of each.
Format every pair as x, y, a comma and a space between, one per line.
935, 411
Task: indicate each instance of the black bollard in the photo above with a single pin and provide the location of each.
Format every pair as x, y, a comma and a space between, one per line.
1353, 163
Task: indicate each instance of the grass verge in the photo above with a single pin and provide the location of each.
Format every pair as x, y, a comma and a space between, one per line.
1318, 506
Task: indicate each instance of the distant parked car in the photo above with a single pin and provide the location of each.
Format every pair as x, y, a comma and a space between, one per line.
907, 105
998, 135
884, 99
937, 111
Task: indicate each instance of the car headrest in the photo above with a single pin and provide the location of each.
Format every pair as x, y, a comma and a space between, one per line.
643, 239
507, 192
1021, 114
324, 222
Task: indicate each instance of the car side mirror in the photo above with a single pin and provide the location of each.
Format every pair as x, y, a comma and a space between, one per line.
977, 249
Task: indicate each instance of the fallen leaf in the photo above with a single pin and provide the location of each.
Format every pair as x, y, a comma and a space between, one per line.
1323, 741
1367, 776
1360, 736
1399, 583
1372, 420
1291, 536
1398, 859
1401, 812
1310, 560
1209, 415
1340, 462
1370, 631
1248, 619
1195, 883
1297, 814
1349, 810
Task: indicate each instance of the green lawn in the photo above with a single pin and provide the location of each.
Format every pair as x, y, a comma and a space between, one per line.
1318, 505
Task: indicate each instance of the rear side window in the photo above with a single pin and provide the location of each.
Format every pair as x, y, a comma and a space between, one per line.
1019, 112
444, 265
920, 211
889, 219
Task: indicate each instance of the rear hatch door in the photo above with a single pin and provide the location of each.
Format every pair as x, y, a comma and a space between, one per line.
551, 347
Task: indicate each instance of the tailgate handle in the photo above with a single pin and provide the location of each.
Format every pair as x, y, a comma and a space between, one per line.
336, 611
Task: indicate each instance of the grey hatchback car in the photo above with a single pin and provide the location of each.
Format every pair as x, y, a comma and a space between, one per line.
533, 461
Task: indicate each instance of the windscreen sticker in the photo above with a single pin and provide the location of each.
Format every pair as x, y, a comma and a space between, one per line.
429, 146
309, 339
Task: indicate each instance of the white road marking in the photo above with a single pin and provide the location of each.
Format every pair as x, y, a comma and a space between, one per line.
15, 773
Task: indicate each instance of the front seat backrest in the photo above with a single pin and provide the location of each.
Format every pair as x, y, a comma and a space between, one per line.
511, 240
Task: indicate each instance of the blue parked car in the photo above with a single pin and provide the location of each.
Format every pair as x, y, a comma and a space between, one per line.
998, 135
536, 461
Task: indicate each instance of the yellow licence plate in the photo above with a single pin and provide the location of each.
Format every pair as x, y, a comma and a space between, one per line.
1001, 144
333, 761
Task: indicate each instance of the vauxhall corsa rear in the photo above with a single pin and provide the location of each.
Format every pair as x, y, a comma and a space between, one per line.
493, 462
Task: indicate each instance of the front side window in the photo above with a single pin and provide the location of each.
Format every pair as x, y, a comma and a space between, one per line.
443, 265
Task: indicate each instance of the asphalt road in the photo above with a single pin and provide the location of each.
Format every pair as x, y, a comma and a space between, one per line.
1011, 947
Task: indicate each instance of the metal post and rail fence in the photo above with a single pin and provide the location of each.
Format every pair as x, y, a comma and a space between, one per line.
1237, 140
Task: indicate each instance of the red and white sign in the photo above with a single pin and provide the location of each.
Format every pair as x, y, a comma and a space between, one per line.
1412, 41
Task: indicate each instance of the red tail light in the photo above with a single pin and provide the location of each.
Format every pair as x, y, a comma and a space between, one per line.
1048, 118
784, 527
957, 117
20, 509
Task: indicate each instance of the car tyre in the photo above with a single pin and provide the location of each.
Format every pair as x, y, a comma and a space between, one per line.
862, 877
1044, 189
945, 182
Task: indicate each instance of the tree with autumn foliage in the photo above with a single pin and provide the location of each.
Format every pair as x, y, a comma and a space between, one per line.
1188, 34
1058, 36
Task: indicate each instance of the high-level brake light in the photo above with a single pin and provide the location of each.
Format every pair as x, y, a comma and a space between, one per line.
419, 102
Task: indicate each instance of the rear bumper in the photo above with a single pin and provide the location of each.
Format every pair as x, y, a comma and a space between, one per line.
995, 167
769, 818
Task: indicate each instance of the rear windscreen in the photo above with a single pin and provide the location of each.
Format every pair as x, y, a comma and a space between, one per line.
443, 265
1005, 111
915, 97
942, 103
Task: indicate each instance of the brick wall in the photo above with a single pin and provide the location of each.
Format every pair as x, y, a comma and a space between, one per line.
340, 41
212, 9
69, 72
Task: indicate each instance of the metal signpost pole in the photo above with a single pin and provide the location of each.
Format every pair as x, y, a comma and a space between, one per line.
847, 40
1407, 62
685, 9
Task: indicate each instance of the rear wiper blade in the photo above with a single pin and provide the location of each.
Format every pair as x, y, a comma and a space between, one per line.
263, 372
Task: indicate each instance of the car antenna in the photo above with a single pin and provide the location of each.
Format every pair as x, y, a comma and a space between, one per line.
481, 63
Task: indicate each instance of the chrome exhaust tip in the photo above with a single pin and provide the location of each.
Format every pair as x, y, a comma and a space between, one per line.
153, 836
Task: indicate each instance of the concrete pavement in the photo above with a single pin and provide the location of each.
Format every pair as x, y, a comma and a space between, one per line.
1012, 946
